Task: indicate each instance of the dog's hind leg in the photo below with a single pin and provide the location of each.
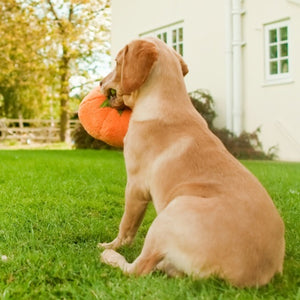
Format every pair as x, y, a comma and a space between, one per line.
164, 248
151, 258
143, 265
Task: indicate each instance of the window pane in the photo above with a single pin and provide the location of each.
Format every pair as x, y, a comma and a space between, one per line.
273, 67
175, 47
273, 52
180, 38
284, 50
283, 33
159, 36
165, 37
284, 66
273, 36
180, 49
174, 36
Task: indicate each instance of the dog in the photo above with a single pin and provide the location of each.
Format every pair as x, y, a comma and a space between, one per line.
214, 218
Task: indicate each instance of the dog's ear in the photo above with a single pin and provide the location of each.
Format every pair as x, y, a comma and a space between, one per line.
184, 66
138, 59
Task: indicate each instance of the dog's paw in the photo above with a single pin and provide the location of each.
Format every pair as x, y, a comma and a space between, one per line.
112, 245
115, 244
112, 258
104, 246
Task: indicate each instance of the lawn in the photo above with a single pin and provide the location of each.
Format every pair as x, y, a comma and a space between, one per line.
55, 206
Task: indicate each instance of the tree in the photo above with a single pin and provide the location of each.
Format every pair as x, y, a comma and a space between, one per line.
23, 74
78, 30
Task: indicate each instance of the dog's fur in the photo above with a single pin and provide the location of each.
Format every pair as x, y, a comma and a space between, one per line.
213, 216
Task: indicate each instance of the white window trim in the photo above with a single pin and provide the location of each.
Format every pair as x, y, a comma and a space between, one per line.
280, 78
166, 29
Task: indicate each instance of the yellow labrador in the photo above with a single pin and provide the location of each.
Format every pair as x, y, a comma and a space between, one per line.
213, 216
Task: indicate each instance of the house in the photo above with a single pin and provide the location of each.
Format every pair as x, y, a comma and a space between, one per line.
246, 53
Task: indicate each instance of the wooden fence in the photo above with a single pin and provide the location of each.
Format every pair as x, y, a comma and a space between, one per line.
29, 131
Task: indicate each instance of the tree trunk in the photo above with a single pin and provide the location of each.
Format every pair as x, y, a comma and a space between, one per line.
64, 120
64, 95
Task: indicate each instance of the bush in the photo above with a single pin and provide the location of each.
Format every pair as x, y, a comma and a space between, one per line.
203, 102
83, 140
245, 146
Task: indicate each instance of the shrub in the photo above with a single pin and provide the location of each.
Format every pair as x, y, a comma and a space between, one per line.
203, 102
82, 140
245, 146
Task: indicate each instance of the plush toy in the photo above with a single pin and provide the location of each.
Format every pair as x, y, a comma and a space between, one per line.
102, 121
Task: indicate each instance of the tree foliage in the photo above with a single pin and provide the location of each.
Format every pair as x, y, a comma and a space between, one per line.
23, 74
44, 44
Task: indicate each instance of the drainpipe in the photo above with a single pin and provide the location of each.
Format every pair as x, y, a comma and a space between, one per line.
237, 66
228, 62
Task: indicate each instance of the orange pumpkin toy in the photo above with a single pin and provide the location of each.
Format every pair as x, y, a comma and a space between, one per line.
102, 122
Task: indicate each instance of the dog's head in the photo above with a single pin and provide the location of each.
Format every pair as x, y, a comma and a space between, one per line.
134, 64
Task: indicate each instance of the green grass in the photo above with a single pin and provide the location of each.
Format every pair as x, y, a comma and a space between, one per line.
55, 206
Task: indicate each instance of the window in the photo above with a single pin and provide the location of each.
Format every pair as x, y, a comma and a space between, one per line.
177, 40
171, 35
277, 54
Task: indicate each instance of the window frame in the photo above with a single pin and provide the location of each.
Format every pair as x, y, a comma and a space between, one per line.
279, 76
166, 34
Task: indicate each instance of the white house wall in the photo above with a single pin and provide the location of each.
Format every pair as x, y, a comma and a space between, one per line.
275, 108
204, 38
